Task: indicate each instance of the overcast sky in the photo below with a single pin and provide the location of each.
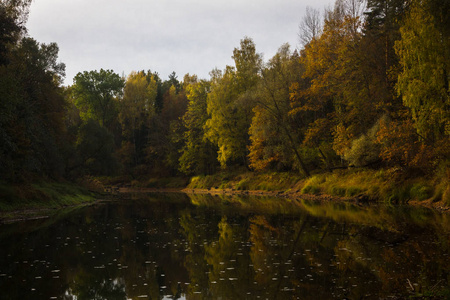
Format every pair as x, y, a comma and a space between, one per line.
185, 36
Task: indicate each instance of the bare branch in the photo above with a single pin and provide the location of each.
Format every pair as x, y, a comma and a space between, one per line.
311, 26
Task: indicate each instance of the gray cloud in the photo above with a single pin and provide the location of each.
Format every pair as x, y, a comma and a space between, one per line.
184, 36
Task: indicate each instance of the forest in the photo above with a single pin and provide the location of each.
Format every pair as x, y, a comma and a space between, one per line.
368, 88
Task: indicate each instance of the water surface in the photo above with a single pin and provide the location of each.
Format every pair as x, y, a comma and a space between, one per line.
175, 246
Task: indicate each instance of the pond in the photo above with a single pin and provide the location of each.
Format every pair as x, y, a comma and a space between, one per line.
177, 246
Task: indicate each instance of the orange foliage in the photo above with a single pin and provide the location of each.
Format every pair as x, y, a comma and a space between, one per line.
257, 156
317, 130
401, 145
342, 139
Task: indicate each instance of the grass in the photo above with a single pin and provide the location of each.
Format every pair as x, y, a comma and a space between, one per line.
387, 185
42, 195
244, 180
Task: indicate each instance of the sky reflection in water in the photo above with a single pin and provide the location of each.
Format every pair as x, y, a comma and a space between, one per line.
170, 246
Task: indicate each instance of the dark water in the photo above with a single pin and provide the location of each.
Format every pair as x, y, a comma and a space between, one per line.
203, 247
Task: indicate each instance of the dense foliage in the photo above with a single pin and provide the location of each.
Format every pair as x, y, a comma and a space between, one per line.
369, 88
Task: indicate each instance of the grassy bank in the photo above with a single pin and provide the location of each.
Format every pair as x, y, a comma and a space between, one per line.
385, 185
42, 195
381, 185
239, 180
376, 185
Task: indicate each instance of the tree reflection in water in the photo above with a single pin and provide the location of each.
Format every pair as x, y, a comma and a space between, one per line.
169, 246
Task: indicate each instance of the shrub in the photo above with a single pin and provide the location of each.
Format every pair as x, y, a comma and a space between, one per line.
365, 149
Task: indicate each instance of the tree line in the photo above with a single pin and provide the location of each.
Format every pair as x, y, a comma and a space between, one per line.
368, 88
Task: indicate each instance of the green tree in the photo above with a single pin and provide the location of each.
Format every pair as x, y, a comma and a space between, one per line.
198, 154
423, 83
32, 111
225, 126
95, 147
10, 29
382, 25
165, 138
96, 94
230, 104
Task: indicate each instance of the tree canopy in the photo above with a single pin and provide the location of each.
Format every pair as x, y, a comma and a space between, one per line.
368, 88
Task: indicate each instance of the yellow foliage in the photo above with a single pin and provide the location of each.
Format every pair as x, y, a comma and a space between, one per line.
342, 139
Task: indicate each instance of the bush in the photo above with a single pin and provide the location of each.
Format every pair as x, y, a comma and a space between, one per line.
365, 149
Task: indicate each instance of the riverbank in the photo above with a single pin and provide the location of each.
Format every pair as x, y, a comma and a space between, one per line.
385, 185
390, 185
37, 200
27, 201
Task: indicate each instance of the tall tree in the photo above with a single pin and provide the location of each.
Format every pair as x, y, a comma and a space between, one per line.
32, 111
198, 154
423, 82
230, 104
135, 109
274, 131
96, 94
310, 26
382, 28
165, 138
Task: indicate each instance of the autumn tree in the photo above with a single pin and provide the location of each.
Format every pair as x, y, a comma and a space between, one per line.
346, 91
419, 137
136, 107
229, 104
274, 132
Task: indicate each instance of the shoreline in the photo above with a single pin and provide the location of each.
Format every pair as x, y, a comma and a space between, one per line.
25, 214
292, 195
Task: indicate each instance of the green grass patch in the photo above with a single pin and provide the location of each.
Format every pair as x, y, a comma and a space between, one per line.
388, 185
42, 195
245, 180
